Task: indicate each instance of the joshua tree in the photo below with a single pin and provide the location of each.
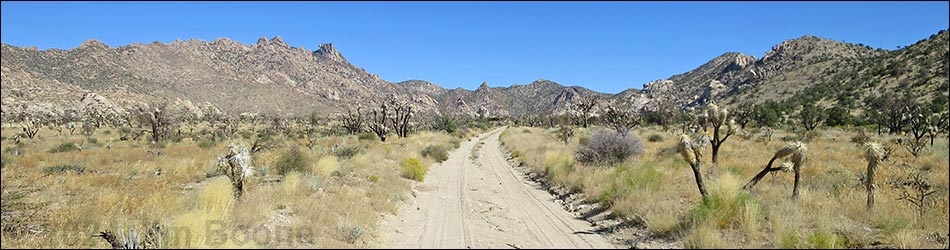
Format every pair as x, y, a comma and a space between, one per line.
377, 123
716, 117
797, 151
583, 108
236, 165
918, 122
402, 113
874, 154
158, 119
565, 133
620, 120
691, 150
744, 113
938, 122
31, 125
352, 120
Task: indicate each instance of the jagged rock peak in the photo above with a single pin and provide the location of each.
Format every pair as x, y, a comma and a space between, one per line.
277, 40
262, 40
327, 51
483, 86
93, 43
736, 59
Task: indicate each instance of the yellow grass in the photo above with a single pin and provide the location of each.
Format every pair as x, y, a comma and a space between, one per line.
657, 188
132, 184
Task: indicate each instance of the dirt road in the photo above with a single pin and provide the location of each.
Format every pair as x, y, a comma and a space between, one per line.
476, 200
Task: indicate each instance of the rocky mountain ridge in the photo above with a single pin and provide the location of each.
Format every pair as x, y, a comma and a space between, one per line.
270, 76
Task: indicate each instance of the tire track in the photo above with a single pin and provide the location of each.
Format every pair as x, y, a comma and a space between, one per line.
484, 203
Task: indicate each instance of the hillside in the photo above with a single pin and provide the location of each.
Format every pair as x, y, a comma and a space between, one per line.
271, 76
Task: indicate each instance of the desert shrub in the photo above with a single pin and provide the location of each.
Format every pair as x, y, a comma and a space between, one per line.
436, 152
368, 137
583, 139
15, 150
655, 138
446, 124
345, 152
205, 143
65, 147
293, 160
820, 240
515, 154
5, 159
790, 138
455, 143
608, 147
64, 168
213, 172
413, 169
92, 140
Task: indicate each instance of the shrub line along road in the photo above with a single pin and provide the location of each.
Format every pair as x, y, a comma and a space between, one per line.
484, 203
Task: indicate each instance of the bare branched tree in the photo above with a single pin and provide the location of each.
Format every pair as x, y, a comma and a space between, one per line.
401, 115
353, 120
620, 119
583, 108
158, 119
377, 122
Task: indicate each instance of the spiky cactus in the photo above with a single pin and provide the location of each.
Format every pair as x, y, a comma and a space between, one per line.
874, 153
691, 150
236, 165
797, 152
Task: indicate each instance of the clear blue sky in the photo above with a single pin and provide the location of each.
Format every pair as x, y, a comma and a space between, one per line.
604, 46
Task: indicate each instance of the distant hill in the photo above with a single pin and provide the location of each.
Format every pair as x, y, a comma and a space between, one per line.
271, 76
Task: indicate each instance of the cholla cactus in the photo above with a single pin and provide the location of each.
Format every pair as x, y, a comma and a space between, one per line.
874, 153
796, 152
237, 166
691, 150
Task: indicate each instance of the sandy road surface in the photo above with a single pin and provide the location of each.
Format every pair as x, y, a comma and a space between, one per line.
482, 202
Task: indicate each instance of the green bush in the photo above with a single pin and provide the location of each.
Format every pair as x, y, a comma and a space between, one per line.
368, 137
65, 147
437, 153
820, 240
455, 143
655, 138
515, 154
64, 168
445, 123
345, 152
413, 169
293, 160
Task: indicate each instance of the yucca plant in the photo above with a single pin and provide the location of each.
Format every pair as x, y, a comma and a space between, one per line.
236, 165
691, 150
874, 153
797, 152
